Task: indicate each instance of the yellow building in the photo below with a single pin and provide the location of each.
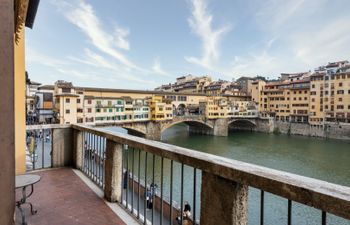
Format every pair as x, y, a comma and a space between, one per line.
336, 98
256, 91
316, 107
160, 109
275, 100
329, 98
216, 107
299, 100
286, 100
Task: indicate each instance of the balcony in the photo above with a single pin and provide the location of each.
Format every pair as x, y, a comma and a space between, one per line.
124, 169
62, 197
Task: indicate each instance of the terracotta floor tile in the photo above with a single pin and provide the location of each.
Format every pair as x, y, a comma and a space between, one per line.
61, 197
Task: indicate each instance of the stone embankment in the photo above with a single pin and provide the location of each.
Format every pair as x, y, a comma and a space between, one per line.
339, 131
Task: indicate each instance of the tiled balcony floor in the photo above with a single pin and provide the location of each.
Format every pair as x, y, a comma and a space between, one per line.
61, 197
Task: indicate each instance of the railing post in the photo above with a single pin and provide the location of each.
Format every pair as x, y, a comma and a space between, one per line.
223, 201
78, 149
62, 147
113, 171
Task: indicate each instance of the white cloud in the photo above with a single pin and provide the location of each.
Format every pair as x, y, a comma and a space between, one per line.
157, 68
99, 62
273, 14
82, 15
299, 36
201, 24
33, 56
121, 38
331, 42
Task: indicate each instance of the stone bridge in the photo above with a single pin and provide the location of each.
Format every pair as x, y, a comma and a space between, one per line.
196, 124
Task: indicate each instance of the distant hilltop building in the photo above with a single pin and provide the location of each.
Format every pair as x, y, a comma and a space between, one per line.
205, 85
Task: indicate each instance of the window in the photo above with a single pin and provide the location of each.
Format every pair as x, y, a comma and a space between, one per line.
313, 86
89, 110
340, 84
340, 99
67, 100
67, 111
340, 92
340, 107
66, 90
78, 100
89, 101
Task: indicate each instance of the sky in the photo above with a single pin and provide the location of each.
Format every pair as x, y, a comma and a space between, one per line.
138, 44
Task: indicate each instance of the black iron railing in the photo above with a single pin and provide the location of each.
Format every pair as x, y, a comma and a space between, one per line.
154, 180
38, 147
94, 156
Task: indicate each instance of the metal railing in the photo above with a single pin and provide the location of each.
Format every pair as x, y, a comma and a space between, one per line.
94, 156
38, 147
146, 164
151, 191
154, 180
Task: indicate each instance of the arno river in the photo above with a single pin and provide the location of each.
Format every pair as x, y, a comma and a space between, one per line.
327, 160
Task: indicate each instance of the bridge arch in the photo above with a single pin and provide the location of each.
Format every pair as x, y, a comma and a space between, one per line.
135, 131
192, 123
242, 124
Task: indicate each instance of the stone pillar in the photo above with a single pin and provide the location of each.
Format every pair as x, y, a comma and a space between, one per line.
221, 127
153, 131
223, 201
62, 147
113, 171
78, 149
7, 113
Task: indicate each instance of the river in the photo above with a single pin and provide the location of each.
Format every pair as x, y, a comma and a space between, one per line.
327, 160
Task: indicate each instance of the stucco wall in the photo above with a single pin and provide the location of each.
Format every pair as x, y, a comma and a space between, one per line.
20, 124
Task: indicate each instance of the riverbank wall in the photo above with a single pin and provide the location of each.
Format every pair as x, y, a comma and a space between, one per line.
331, 131
340, 131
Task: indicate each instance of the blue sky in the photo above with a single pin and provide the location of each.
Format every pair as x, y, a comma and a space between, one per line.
142, 44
